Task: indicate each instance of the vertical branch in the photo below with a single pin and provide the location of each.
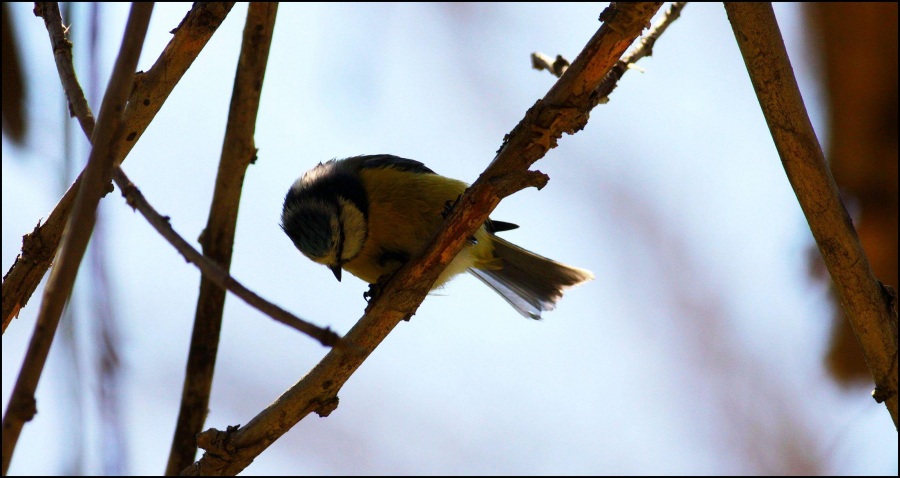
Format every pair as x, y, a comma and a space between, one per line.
77, 234
238, 152
13, 89
866, 301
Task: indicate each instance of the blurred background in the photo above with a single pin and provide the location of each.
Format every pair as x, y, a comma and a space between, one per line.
705, 345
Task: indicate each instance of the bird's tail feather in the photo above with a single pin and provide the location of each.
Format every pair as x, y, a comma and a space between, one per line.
529, 282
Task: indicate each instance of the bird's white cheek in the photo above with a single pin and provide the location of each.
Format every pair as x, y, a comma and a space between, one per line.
354, 226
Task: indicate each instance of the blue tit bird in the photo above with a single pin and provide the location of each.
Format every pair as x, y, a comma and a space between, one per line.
369, 215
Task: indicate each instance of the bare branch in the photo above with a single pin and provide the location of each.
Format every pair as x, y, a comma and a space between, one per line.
866, 301
149, 92
563, 110
78, 231
238, 152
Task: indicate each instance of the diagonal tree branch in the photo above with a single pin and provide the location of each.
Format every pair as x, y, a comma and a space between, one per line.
148, 94
78, 231
564, 109
868, 303
238, 152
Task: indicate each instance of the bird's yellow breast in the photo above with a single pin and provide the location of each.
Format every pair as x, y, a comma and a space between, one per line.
405, 210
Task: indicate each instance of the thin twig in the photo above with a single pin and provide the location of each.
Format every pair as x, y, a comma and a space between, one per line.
238, 152
645, 48
149, 92
213, 271
540, 61
866, 301
564, 109
79, 228
62, 52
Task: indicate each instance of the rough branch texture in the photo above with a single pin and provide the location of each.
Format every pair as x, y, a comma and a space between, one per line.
563, 110
148, 95
238, 152
865, 300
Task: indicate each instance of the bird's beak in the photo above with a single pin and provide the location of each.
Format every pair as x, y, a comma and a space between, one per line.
336, 269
